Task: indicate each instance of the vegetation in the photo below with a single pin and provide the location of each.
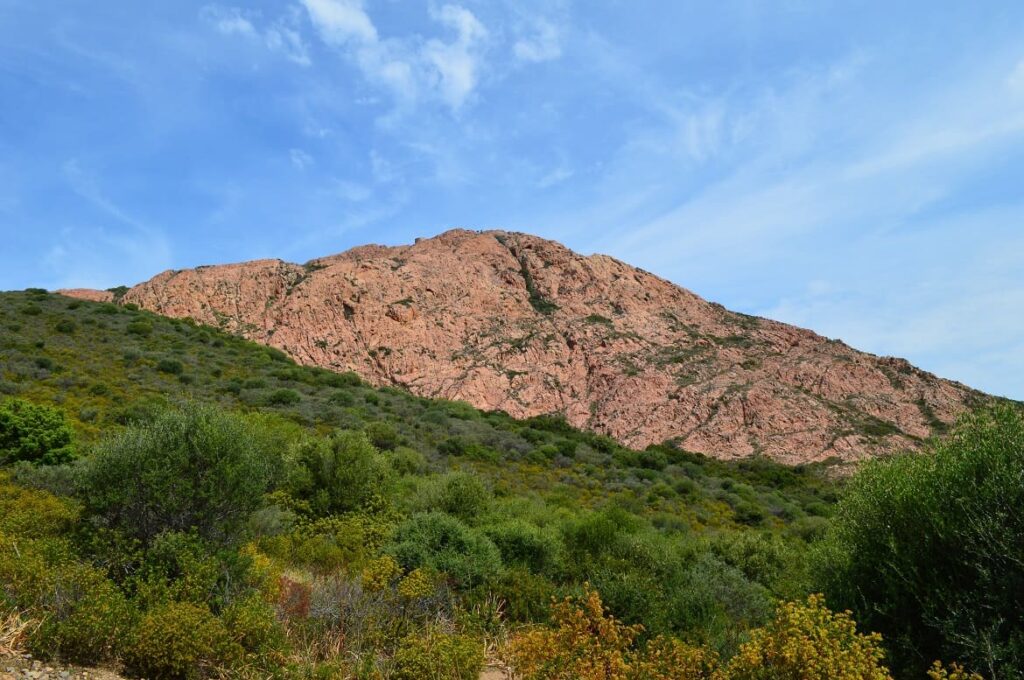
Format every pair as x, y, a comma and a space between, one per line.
928, 550
160, 481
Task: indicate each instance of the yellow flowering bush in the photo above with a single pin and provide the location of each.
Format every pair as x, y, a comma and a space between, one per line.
954, 672
806, 641
380, 572
584, 644
670, 659
417, 583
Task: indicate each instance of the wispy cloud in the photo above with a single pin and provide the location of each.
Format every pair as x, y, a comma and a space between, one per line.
227, 20
281, 35
542, 44
117, 243
300, 159
456, 63
445, 70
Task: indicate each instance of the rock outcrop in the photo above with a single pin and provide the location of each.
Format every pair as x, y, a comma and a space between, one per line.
514, 322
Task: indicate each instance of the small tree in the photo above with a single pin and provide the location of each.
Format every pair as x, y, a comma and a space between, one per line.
342, 473
929, 550
34, 433
196, 468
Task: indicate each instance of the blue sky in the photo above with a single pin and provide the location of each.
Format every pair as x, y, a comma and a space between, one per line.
854, 167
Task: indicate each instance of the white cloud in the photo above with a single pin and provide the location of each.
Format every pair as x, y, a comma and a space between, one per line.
544, 45
456, 63
280, 36
341, 21
288, 41
227, 20
448, 71
300, 159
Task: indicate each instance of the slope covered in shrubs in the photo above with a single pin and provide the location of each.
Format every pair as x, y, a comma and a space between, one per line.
346, 531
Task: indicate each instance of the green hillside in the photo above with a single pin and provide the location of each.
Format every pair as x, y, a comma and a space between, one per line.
105, 365
176, 502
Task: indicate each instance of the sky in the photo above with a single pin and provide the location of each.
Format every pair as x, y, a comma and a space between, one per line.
856, 168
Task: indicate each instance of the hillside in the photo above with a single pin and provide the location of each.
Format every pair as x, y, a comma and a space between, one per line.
442, 526
106, 366
300, 523
511, 322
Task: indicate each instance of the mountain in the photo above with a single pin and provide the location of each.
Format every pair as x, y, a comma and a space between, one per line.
512, 322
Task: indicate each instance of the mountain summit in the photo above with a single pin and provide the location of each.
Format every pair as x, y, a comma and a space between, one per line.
514, 322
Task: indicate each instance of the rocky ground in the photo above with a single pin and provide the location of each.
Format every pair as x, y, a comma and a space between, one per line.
513, 322
24, 667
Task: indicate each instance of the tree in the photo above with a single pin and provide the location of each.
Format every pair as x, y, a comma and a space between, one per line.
194, 468
929, 550
343, 473
34, 433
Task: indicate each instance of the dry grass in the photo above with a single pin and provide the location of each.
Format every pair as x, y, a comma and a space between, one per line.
14, 629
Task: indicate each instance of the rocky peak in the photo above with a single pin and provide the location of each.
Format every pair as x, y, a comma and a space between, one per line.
514, 322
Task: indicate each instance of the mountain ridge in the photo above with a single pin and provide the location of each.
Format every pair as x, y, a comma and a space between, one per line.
509, 321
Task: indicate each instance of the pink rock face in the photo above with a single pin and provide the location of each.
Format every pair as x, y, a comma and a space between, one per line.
88, 294
513, 322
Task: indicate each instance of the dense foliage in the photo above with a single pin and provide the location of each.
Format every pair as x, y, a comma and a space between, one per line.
929, 549
33, 433
299, 523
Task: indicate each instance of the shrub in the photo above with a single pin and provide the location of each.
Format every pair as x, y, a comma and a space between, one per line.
459, 494
406, 461
31, 309
171, 366
382, 435
584, 644
283, 397
142, 328
86, 615
34, 514
254, 626
929, 549
65, 326
443, 543
435, 655
809, 642
195, 468
525, 544
34, 433
181, 640
343, 473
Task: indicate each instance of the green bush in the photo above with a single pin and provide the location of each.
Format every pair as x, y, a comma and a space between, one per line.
342, 473
194, 468
254, 626
929, 550
86, 616
283, 397
459, 494
435, 655
171, 366
443, 543
382, 435
527, 545
406, 461
142, 328
65, 326
181, 640
33, 433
